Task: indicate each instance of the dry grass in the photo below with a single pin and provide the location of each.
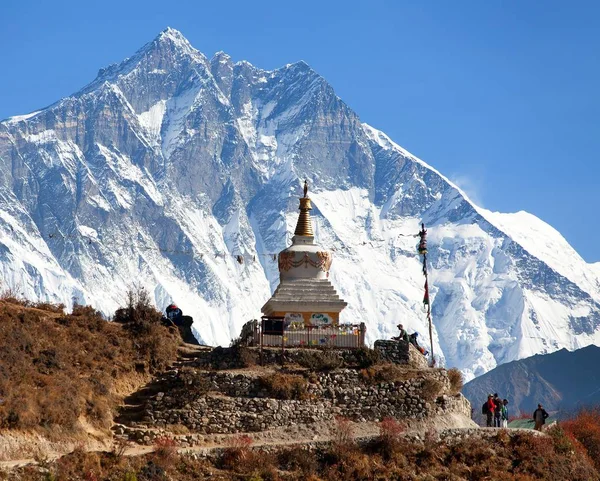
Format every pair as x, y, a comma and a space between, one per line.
387, 372
285, 386
431, 389
456, 380
516, 457
56, 368
316, 360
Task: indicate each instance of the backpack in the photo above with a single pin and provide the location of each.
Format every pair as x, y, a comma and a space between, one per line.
484, 408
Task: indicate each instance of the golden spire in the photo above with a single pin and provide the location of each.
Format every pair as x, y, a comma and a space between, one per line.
304, 225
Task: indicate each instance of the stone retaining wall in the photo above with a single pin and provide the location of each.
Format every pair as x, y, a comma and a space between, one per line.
239, 403
396, 352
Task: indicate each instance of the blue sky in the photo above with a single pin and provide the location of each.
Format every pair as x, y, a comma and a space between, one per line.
500, 96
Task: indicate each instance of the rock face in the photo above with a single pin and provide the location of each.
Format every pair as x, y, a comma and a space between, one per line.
182, 173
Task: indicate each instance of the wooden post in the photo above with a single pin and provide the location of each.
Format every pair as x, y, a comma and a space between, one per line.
262, 329
282, 345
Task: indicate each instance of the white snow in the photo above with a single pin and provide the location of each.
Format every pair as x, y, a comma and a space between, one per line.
548, 245
19, 118
152, 119
88, 231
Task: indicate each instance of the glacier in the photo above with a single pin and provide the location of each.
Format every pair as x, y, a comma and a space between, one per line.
179, 173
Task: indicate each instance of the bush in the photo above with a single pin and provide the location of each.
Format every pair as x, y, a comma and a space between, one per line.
319, 360
343, 435
585, 428
241, 458
456, 380
431, 389
507, 456
139, 315
387, 373
366, 357
285, 386
295, 459
165, 451
86, 311
247, 357
389, 439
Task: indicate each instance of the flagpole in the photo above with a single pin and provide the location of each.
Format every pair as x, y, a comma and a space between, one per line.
423, 252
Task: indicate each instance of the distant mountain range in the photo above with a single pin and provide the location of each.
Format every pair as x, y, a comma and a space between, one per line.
182, 173
562, 381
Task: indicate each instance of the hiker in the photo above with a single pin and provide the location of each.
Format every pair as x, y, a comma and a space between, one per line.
402, 335
539, 417
413, 341
488, 409
504, 411
498, 411
174, 314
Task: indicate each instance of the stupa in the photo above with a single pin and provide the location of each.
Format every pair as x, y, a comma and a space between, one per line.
305, 296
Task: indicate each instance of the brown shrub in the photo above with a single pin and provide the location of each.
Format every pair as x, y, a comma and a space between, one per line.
456, 380
585, 428
50, 307
86, 311
387, 373
316, 360
285, 386
295, 459
119, 448
247, 357
79, 465
366, 357
343, 435
165, 451
431, 389
390, 432
139, 315
241, 458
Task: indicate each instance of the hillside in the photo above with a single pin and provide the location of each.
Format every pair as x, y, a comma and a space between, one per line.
182, 171
85, 399
62, 376
561, 381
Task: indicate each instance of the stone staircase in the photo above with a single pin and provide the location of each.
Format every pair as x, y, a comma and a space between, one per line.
134, 409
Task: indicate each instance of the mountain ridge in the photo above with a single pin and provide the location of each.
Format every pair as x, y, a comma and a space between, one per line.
179, 165
563, 381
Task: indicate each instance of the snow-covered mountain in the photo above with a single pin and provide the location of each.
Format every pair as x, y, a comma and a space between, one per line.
169, 166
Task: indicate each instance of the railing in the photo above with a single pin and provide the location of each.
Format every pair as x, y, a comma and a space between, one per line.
342, 336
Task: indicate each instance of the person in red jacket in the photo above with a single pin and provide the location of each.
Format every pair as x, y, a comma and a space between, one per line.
491, 409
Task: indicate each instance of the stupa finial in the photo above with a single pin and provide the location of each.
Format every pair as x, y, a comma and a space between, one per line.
304, 225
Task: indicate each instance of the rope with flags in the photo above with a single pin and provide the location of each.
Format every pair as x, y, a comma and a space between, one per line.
426, 303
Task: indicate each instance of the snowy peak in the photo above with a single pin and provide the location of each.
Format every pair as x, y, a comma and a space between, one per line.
183, 174
176, 37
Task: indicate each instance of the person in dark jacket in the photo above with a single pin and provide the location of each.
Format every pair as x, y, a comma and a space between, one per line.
498, 411
539, 417
414, 342
402, 335
174, 314
504, 411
